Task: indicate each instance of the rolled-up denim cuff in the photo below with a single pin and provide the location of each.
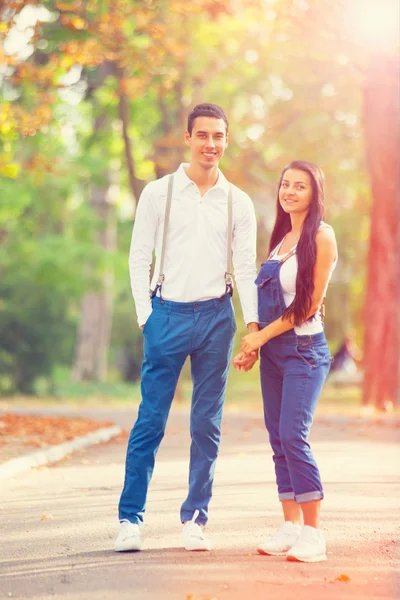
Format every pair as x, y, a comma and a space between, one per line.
286, 496
309, 496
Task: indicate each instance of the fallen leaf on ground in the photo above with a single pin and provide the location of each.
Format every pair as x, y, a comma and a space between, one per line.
40, 431
342, 577
191, 597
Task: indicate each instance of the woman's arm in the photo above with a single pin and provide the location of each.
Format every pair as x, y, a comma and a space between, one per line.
326, 254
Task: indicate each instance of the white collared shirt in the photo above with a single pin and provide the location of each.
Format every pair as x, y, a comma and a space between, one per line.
195, 257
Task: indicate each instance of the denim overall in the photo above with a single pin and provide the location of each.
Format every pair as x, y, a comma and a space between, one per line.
293, 370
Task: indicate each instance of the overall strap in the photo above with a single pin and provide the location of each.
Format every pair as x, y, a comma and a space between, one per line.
291, 253
161, 275
228, 274
285, 257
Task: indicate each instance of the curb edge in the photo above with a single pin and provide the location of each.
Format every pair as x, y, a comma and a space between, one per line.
54, 453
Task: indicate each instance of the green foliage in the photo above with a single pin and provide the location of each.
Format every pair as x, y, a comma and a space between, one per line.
35, 333
291, 83
49, 241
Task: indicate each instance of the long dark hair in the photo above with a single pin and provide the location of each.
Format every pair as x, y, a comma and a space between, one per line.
306, 250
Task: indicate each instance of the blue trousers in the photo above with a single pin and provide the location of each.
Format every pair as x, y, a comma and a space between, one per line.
293, 370
175, 330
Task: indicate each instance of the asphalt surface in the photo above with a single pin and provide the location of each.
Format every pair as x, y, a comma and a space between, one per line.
58, 524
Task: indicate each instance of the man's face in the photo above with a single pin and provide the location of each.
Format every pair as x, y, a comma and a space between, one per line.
208, 141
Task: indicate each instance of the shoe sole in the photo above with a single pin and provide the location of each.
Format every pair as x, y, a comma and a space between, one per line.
314, 559
265, 553
127, 547
197, 549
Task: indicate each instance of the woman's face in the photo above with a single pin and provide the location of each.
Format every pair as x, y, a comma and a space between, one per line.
295, 192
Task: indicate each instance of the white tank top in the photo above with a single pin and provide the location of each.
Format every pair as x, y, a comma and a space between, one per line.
288, 274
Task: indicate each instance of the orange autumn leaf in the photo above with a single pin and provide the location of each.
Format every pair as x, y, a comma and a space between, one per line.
192, 597
79, 23
342, 577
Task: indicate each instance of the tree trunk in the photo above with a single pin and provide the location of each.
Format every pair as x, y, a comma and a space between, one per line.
96, 312
169, 149
382, 314
94, 330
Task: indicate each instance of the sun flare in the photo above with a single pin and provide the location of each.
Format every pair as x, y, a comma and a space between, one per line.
374, 23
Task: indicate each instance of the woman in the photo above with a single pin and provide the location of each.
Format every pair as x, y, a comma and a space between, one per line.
294, 355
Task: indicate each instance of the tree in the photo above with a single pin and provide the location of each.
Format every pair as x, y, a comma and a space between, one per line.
112, 81
94, 330
121, 49
382, 316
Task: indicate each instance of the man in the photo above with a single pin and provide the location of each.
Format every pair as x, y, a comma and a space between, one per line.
190, 314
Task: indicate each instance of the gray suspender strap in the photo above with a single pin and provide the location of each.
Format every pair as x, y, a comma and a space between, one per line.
228, 274
161, 275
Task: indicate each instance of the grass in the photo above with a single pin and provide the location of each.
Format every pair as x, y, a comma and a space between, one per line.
243, 394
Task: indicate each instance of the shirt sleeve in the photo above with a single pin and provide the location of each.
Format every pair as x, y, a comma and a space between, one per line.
141, 253
244, 258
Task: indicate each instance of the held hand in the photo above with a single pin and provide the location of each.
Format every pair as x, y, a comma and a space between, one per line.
244, 362
252, 342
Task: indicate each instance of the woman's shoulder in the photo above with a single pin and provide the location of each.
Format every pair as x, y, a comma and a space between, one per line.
325, 225
326, 239
325, 231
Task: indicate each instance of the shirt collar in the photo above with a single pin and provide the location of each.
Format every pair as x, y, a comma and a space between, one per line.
182, 180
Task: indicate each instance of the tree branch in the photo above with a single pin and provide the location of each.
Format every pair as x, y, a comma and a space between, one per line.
136, 184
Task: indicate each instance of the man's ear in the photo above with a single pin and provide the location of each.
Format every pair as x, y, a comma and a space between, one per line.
187, 138
227, 139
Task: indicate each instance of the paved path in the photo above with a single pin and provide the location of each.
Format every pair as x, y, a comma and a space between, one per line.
57, 525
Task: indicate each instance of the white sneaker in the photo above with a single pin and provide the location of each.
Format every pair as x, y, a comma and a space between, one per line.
310, 546
193, 535
128, 538
281, 541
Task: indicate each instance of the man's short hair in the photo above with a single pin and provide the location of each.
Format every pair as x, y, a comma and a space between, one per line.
206, 110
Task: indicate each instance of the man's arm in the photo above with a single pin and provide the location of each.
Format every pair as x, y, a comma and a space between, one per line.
141, 254
244, 259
